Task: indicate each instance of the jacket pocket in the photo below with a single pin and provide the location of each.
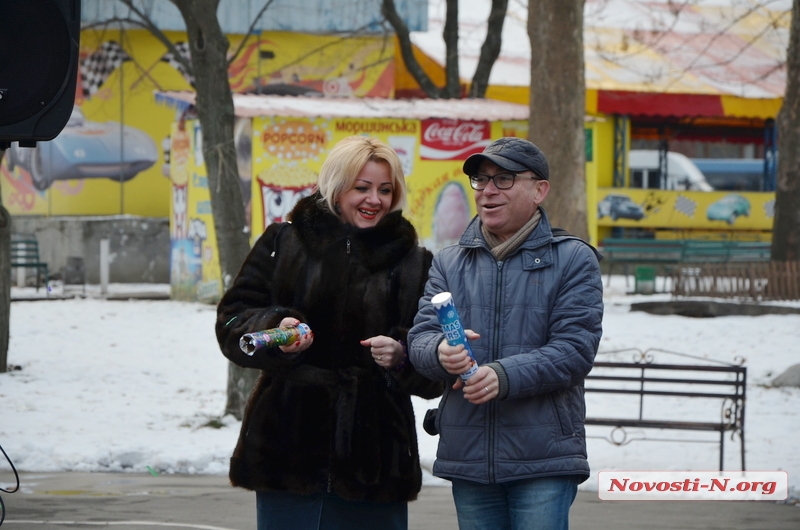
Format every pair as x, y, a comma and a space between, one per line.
559, 401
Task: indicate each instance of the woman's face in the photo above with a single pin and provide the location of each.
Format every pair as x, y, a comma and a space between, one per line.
370, 197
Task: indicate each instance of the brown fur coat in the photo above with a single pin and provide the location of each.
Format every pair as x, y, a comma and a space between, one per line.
329, 418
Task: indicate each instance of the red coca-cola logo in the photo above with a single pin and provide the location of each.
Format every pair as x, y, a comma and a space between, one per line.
453, 139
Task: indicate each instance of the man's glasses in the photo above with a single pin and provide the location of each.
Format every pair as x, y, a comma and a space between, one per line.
502, 181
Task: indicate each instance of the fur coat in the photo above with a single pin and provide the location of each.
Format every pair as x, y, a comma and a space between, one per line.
329, 418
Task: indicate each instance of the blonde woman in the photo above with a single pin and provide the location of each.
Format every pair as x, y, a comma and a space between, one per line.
328, 439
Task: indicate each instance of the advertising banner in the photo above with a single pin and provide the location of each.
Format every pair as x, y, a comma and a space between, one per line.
194, 262
282, 62
288, 154
702, 210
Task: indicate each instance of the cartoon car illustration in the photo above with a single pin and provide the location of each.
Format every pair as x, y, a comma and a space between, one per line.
86, 149
728, 208
619, 206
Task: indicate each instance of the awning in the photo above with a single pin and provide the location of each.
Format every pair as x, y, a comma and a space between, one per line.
708, 58
250, 105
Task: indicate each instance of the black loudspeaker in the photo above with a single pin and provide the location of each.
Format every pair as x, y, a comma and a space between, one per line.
39, 45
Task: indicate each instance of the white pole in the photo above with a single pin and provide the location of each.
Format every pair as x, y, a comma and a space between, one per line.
104, 264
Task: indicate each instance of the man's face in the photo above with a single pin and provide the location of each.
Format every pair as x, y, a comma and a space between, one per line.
504, 212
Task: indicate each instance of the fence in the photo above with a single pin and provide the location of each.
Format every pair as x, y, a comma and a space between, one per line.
773, 280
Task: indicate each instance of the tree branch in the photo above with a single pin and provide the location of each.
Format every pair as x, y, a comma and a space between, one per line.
249, 32
450, 35
148, 24
406, 50
490, 50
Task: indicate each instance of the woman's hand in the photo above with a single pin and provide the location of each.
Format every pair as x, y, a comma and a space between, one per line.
386, 351
299, 345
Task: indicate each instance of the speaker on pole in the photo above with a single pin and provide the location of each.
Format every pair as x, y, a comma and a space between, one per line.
39, 45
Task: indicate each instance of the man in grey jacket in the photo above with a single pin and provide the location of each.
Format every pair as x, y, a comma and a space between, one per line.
512, 438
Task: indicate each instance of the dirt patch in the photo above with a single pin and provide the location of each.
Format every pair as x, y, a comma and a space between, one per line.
709, 309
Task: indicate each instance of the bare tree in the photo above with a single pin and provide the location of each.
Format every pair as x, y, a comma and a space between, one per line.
557, 102
214, 105
5, 280
557, 89
786, 224
490, 51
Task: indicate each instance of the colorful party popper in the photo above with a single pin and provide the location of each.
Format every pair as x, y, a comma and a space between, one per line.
272, 338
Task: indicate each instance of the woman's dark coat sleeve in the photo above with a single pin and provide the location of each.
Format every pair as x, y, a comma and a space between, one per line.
248, 306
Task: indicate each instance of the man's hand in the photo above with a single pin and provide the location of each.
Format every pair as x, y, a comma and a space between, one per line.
455, 359
481, 387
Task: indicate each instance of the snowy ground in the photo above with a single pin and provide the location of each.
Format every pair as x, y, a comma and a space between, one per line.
139, 385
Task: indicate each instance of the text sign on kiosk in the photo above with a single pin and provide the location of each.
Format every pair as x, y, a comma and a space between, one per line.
453, 330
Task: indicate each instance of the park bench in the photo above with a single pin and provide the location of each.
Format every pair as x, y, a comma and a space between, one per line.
642, 391
671, 253
25, 255
716, 251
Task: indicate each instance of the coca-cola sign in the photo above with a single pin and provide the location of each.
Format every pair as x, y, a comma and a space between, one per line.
453, 139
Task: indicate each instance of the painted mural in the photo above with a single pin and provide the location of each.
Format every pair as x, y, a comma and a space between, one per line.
113, 156
194, 262
701, 210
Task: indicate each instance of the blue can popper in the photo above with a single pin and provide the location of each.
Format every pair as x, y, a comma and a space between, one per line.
453, 329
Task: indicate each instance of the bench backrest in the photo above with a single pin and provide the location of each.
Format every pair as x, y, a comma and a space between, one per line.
725, 383
723, 251
24, 251
684, 250
642, 249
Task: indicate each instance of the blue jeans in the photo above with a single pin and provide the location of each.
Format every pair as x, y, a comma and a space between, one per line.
278, 510
531, 504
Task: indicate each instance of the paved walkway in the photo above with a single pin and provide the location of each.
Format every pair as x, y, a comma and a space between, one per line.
136, 502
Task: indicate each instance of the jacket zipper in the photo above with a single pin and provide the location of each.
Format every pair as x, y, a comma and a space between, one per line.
330, 476
494, 356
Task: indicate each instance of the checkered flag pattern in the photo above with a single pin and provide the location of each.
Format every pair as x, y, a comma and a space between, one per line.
169, 58
96, 68
685, 205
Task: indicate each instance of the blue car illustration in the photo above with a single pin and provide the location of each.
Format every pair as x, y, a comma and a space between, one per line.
728, 208
86, 149
619, 207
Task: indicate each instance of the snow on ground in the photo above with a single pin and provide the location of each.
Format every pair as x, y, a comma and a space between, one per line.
139, 385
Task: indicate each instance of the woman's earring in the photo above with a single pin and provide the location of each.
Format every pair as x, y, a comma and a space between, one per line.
337, 209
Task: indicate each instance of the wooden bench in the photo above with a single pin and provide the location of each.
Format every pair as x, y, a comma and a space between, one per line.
644, 387
25, 254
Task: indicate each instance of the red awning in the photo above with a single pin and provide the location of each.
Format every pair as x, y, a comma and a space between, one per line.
655, 104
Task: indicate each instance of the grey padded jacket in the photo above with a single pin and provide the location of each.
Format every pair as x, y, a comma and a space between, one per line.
539, 315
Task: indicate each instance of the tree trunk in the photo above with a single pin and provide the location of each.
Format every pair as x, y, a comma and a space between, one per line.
557, 101
214, 104
5, 281
786, 226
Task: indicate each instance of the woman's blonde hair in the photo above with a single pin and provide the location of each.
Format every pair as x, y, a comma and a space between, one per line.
346, 160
